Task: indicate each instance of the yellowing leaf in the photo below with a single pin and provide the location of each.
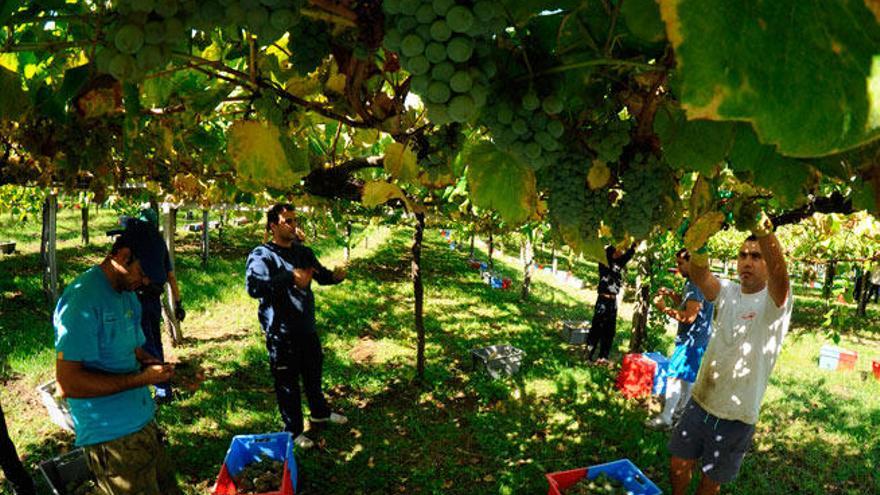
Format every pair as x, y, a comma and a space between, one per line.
701, 197
599, 175
702, 229
401, 162
379, 192
263, 157
336, 83
302, 86
9, 61
437, 176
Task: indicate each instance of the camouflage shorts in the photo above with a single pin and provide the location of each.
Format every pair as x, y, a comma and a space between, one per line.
135, 464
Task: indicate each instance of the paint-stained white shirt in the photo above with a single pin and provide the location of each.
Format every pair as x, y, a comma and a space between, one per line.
747, 339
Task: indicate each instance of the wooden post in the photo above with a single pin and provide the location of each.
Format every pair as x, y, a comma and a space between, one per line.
527, 266
47, 248
643, 299
205, 238
418, 294
555, 261
830, 269
171, 323
473, 236
84, 212
491, 251
347, 251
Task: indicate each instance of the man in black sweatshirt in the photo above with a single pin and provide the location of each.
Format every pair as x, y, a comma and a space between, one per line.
279, 274
604, 324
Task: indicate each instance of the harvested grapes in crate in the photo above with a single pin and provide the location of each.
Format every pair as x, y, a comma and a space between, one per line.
260, 477
600, 485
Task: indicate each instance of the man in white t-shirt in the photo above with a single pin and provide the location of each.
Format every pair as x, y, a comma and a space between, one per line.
751, 320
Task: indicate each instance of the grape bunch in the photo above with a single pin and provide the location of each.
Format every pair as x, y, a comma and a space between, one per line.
445, 45
646, 182
527, 127
310, 41
263, 476
267, 19
609, 140
142, 38
573, 206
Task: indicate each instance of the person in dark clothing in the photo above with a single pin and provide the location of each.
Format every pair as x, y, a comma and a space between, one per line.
604, 324
15, 473
156, 264
279, 273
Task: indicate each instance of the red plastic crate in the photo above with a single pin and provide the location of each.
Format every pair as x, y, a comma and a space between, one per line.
847, 360
875, 365
564, 480
636, 377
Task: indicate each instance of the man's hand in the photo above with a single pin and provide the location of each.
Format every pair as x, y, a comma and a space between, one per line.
660, 301
302, 277
300, 235
339, 273
179, 312
157, 373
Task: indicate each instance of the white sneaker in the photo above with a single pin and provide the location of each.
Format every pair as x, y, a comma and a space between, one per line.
336, 419
303, 442
658, 423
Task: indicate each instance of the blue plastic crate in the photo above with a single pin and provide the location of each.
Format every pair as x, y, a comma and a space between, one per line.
660, 373
633, 479
248, 449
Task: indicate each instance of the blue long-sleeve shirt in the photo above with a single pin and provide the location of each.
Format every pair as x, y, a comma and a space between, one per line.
284, 308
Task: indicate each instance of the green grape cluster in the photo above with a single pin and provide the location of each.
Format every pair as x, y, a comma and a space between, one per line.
645, 182
142, 38
609, 140
267, 19
527, 127
573, 206
445, 45
311, 47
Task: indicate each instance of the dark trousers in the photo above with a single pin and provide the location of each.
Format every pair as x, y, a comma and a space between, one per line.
603, 327
292, 357
11, 464
151, 323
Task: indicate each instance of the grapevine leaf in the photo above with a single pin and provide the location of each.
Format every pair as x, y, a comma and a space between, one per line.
599, 175
804, 74
7, 8
702, 229
261, 157
437, 176
701, 197
14, 101
782, 175
498, 181
379, 192
592, 248
863, 197
642, 17
400, 162
692, 144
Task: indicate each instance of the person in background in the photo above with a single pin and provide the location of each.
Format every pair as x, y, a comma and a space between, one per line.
751, 320
13, 469
104, 372
156, 265
279, 274
694, 316
604, 324
875, 278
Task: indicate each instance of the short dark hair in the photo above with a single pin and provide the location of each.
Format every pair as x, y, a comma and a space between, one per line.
124, 241
683, 253
274, 214
751, 238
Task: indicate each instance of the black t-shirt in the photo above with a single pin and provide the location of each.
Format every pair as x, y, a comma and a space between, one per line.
611, 275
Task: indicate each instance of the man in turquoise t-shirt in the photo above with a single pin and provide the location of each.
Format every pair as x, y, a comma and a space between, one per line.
98, 341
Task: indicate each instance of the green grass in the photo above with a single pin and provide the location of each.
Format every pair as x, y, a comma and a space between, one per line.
461, 432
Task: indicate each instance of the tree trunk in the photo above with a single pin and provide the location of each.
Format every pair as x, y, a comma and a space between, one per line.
527, 267
47, 248
84, 213
205, 238
418, 294
830, 268
867, 290
171, 323
347, 241
643, 299
491, 251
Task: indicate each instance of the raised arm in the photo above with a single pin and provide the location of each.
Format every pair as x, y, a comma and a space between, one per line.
777, 271
700, 275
